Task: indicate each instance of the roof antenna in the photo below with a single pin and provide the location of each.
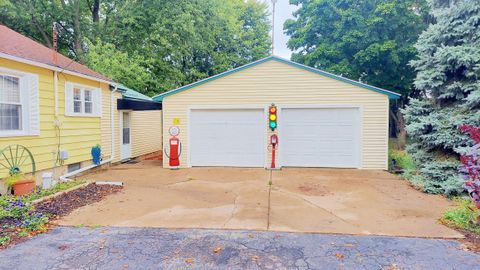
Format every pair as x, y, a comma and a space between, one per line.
54, 43
273, 26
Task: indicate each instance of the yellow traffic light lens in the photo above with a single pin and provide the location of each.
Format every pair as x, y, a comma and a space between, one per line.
273, 117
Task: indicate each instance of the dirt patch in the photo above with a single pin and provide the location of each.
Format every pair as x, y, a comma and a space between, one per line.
55, 208
471, 241
313, 189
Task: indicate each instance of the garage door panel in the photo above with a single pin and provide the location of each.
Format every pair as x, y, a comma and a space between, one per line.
227, 138
320, 137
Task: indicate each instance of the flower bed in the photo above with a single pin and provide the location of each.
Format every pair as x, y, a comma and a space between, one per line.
20, 218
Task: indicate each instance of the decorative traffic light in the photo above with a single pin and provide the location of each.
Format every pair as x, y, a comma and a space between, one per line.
272, 117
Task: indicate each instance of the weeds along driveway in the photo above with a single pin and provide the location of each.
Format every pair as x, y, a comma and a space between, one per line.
300, 200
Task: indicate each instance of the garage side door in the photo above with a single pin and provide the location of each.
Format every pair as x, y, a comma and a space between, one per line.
320, 137
227, 138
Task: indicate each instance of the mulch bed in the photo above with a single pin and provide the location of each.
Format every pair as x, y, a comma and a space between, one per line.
57, 207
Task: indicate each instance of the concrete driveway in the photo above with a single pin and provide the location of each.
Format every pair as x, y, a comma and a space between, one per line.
300, 200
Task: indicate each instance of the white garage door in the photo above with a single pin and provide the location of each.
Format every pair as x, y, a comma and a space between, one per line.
320, 137
227, 137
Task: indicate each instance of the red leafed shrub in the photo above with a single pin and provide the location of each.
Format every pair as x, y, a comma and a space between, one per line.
470, 168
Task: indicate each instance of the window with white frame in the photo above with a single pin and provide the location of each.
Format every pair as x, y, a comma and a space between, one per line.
82, 100
19, 105
10, 103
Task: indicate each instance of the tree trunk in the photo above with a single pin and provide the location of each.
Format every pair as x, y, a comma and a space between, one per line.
77, 31
96, 11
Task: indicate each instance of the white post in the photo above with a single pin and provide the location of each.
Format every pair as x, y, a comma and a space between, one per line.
273, 26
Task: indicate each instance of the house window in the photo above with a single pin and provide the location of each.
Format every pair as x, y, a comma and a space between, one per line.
19, 103
82, 101
77, 100
88, 101
10, 103
74, 167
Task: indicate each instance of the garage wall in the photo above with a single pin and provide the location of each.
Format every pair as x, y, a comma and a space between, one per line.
282, 84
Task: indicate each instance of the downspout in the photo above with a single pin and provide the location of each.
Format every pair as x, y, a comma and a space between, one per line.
65, 177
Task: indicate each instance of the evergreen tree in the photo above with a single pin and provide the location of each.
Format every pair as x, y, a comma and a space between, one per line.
448, 74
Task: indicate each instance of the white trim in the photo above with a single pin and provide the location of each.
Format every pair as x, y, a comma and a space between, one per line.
227, 107
70, 111
280, 108
25, 102
121, 112
61, 70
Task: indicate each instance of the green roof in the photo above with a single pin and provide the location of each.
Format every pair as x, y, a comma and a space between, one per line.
128, 93
390, 94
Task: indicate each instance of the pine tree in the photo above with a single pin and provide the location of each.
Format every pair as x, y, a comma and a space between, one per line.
448, 74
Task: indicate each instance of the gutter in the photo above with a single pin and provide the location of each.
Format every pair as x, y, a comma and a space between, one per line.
65, 177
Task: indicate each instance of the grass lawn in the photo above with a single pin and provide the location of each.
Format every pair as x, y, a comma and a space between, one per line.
463, 216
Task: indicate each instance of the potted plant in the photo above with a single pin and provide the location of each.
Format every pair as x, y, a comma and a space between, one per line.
20, 184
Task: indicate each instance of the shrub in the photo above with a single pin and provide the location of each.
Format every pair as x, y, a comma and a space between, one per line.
463, 216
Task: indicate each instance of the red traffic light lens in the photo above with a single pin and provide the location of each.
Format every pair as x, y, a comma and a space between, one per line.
273, 109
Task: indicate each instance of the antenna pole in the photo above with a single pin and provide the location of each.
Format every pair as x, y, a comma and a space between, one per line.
54, 43
273, 26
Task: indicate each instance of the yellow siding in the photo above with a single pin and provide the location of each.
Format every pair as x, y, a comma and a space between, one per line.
282, 84
77, 134
146, 132
106, 124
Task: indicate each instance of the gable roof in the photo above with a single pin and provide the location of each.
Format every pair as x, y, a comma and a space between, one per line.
129, 93
390, 94
17, 47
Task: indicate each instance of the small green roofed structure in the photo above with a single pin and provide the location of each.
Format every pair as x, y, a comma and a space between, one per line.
136, 101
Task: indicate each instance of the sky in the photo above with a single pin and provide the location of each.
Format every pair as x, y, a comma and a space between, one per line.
283, 11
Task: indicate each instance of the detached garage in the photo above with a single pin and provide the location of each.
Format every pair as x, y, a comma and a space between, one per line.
323, 120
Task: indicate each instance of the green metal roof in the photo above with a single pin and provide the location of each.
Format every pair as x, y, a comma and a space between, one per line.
128, 93
390, 94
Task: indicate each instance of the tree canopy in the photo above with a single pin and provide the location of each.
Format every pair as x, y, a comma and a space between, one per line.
368, 40
148, 45
448, 74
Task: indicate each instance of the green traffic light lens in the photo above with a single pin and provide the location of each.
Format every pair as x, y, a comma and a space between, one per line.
273, 124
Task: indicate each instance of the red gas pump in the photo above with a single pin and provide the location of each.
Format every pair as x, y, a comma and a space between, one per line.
174, 157
175, 148
274, 145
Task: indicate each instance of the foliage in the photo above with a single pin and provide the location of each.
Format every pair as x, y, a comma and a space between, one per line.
448, 77
148, 45
470, 168
371, 41
34, 221
463, 216
120, 66
11, 207
61, 186
11, 180
402, 159
4, 239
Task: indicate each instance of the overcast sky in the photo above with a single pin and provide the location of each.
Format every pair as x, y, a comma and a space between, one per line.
283, 11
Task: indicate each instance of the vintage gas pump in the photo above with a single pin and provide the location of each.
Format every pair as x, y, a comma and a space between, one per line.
175, 147
274, 145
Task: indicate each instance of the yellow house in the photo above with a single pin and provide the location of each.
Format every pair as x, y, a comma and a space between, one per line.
59, 109
320, 119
